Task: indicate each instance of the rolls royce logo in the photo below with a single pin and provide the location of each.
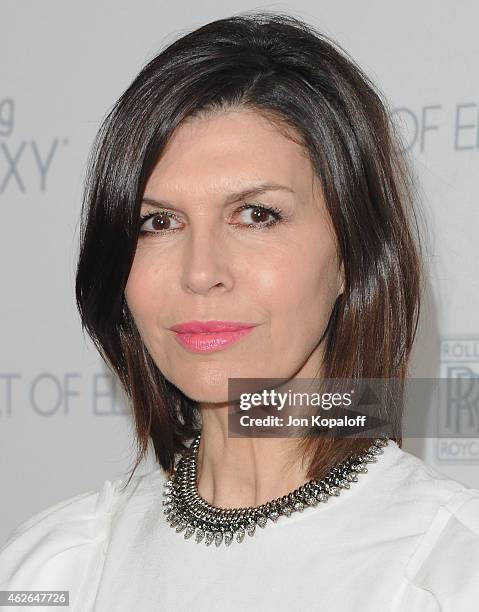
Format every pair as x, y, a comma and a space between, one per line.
458, 421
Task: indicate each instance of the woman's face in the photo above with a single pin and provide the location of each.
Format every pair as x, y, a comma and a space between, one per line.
202, 257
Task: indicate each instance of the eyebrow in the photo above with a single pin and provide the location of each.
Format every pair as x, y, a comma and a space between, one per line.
248, 192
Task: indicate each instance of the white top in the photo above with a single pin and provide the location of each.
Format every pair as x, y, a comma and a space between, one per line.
403, 538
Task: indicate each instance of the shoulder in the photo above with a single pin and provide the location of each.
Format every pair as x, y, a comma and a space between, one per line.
442, 571
56, 547
411, 488
63, 547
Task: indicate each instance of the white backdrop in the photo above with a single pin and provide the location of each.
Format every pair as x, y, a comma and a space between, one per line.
63, 426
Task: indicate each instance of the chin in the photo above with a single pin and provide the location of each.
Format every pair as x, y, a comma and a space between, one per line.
209, 384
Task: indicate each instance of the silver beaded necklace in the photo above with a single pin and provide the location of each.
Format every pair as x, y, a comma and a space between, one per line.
188, 512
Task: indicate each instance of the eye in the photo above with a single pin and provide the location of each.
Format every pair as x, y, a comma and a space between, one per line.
259, 215
157, 223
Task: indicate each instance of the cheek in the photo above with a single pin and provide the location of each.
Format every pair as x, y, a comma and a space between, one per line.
140, 291
305, 288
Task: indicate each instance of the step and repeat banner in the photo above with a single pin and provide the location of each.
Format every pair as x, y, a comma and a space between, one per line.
64, 425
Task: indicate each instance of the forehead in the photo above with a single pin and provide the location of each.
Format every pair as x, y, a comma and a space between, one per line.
226, 150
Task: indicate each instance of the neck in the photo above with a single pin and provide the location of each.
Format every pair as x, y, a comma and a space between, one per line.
242, 472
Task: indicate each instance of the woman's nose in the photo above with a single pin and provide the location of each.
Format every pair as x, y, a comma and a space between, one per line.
205, 262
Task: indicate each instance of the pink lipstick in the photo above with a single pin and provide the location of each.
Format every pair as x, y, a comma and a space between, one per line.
208, 336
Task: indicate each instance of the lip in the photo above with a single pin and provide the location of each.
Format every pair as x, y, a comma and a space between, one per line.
209, 336
200, 327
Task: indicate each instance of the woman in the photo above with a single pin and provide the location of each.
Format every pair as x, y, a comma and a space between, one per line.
248, 214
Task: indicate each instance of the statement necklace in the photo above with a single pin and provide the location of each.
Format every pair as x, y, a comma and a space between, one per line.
188, 512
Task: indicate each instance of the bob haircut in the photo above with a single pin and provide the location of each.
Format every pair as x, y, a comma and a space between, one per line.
296, 77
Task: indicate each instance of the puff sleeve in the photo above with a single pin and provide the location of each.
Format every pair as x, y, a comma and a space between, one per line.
443, 573
61, 548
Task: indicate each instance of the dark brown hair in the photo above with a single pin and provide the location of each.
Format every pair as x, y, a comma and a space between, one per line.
285, 69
